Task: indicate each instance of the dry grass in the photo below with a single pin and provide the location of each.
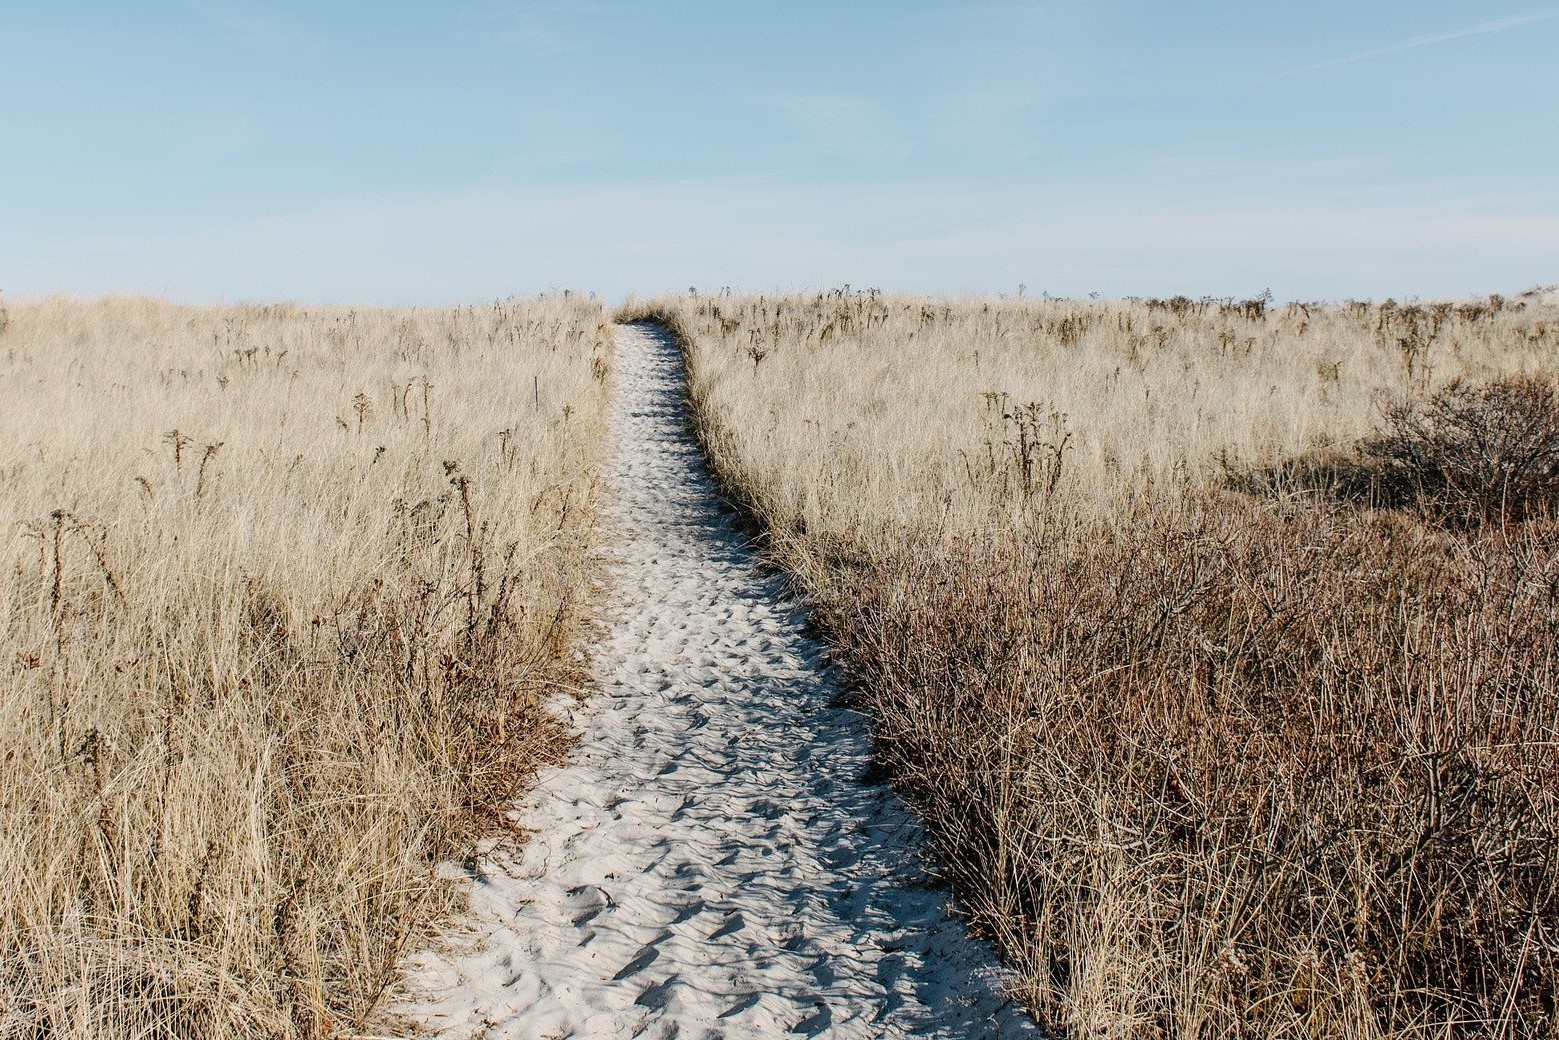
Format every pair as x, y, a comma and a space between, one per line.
1212, 744
285, 592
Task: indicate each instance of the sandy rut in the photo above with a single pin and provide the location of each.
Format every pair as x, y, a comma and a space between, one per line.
709, 865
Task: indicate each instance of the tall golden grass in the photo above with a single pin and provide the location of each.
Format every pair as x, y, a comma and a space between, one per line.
1216, 738
286, 590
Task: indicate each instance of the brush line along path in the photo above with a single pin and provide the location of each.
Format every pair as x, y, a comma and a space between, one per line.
710, 865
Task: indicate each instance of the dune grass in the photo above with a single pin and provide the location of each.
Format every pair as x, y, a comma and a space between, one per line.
1226, 721
286, 591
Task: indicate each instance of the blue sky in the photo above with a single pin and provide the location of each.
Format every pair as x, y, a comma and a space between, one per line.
423, 153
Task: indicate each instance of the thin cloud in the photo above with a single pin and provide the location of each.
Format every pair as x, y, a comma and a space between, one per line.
931, 236
1481, 29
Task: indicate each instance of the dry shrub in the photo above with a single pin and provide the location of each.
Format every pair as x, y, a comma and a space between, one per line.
1245, 772
1485, 450
286, 593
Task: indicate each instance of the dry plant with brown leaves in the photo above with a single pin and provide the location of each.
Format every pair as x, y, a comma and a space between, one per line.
1227, 719
286, 593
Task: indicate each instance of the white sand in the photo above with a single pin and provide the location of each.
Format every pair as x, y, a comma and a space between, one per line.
709, 866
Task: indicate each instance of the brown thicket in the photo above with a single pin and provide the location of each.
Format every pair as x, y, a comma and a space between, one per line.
1480, 451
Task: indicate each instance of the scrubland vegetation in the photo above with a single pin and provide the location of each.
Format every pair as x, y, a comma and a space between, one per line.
285, 590
1215, 640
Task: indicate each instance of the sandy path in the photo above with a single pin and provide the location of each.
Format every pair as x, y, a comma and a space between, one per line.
708, 866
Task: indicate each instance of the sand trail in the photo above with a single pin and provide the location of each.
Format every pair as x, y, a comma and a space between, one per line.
709, 865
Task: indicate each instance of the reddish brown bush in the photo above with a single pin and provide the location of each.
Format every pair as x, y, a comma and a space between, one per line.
1248, 772
1484, 450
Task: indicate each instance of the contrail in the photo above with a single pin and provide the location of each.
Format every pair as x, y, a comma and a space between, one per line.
1497, 25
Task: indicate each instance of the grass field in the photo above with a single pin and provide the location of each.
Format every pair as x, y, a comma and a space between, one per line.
1216, 640
285, 592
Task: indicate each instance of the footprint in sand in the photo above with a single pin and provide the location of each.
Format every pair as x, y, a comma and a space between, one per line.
707, 867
